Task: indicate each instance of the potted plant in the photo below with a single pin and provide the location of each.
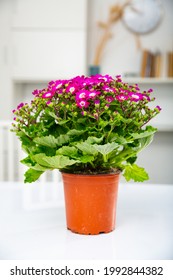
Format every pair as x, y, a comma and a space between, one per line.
91, 129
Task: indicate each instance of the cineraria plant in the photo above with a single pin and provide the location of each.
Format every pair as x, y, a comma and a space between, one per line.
86, 125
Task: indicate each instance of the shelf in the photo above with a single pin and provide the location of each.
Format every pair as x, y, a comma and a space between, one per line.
149, 80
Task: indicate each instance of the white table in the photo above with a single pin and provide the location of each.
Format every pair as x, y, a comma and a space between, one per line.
144, 228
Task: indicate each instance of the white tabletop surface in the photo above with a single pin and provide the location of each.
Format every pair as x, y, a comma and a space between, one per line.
144, 228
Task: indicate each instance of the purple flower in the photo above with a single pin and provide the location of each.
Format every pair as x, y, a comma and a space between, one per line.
121, 97
134, 96
82, 104
106, 78
145, 96
118, 77
82, 94
158, 108
97, 102
48, 94
150, 90
93, 94
20, 106
55, 86
36, 92
109, 99
108, 89
84, 113
72, 88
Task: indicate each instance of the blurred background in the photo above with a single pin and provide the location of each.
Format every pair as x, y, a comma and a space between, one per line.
57, 39
53, 39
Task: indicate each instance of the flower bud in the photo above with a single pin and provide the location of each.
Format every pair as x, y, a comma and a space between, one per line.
84, 113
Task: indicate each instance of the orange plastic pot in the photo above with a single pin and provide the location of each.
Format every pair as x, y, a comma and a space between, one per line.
90, 202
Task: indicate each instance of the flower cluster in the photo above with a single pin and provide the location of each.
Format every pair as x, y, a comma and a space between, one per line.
93, 123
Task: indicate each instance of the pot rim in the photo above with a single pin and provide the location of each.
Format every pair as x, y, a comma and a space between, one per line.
118, 172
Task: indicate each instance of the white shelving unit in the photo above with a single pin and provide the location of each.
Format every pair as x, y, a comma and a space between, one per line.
157, 81
163, 91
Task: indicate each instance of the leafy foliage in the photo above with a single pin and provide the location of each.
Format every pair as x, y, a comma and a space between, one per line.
86, 125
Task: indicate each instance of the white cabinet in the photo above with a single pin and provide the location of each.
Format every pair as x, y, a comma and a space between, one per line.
49, 39
49, 14
48, 55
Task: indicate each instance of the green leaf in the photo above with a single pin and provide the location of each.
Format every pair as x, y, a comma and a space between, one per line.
48, 141
106, 148
114, 137
32, 175
148, 132
86, 148
52, 114
62, 139
136, 173
62, 122
59, 161
71, 152
94, 140
28, 162
39, 158
132, 160
51, 141
103, 123
75, 132
144, 142
86, 158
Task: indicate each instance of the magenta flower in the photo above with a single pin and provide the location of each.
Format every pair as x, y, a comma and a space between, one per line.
36, 92
145, 96
108, 89
158, 108
105, 78
82, 94
118, 77
82, 104
72, 88
150, 90
97, 102
47, 95
56, 86
121, 97
93, 94
20, 106
134, 96
109, 99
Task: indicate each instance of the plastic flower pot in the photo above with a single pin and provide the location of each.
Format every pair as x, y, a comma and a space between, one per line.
91, 202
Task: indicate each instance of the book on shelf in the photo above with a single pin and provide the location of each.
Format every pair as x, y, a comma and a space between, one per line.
151, 64
170, 64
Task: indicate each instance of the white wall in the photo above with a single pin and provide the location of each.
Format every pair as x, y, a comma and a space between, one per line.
40, 41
